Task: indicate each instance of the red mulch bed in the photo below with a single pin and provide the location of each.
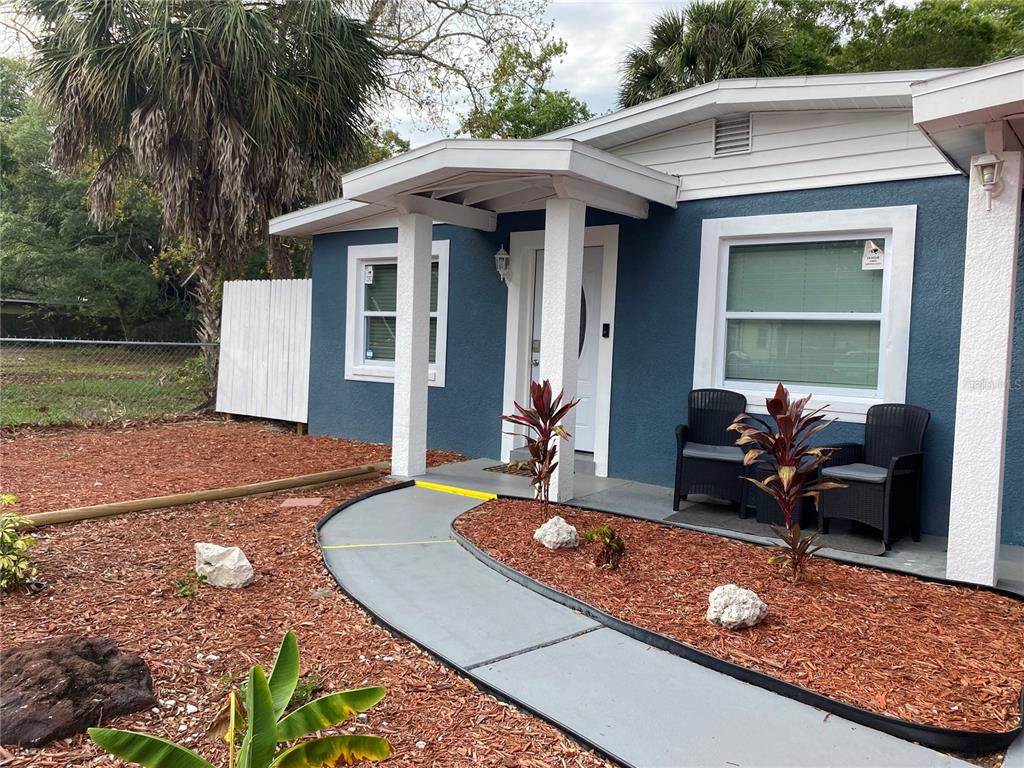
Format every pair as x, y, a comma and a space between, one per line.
924, 652
58, 468
113, 576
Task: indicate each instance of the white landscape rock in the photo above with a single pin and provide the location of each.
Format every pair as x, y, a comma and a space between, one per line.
734, 607
223, 566
556, 533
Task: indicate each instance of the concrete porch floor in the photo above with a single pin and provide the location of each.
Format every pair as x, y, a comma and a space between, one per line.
654, 502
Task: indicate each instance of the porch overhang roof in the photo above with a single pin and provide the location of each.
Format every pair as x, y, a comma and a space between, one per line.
467, 182
953, 110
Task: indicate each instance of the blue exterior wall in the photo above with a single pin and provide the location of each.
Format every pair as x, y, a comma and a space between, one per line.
654, 337
1013, 481
463, 415
655, 322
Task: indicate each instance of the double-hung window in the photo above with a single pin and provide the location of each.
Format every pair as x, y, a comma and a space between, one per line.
818, 301
372, 312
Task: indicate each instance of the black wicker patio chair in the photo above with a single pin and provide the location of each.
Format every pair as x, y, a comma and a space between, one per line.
883, 476
708, 460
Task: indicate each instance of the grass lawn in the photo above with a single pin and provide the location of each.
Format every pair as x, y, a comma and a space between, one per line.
43, 385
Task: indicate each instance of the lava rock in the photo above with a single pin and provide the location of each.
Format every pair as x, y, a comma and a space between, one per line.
556, 533
734, 607
223, 566
63, 686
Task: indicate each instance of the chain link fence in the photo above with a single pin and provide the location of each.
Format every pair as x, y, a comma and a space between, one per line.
61, 381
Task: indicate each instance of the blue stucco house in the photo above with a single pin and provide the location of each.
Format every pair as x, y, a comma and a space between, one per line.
855, 236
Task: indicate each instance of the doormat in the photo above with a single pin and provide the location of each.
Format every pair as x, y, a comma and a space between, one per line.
509, 469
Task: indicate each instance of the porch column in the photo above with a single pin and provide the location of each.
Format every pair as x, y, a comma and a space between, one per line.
986, 346
560, 320
412, 346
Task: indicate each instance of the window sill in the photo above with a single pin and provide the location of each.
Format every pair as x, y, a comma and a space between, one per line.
385, 375
847, 408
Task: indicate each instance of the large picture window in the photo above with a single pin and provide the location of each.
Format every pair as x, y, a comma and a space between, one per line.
819, 301
372, 305
804, 313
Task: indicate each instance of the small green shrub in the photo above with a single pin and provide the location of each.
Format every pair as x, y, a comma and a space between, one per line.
16, 568
189, 584
612, 550
308, 686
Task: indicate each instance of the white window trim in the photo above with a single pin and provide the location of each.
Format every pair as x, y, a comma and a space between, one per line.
897, 225
358, 369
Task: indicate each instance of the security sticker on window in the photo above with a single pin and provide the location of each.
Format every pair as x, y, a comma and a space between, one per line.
873, 257
368, 274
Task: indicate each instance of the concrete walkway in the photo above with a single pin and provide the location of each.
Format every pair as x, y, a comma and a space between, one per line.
393, 553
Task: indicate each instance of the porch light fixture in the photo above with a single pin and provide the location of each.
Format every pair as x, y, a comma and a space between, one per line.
988, 167
502, 263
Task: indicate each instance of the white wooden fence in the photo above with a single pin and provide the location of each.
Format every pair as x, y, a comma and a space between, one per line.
264, 349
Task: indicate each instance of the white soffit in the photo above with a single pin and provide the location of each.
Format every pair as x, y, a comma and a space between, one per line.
871, 90
508, 175
954, 108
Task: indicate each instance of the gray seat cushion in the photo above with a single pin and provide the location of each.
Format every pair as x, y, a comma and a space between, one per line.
858, 473
730, 453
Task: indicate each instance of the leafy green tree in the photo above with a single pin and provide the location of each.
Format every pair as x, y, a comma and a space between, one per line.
51, 250
225, 109
934, 33
704, 42
825, 36
519, 105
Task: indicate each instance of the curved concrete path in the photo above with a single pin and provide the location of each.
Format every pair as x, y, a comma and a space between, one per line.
393, 553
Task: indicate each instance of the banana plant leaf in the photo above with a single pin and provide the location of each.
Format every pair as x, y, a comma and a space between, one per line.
331, 751
146, 750
327, 711
258, 746
284, 675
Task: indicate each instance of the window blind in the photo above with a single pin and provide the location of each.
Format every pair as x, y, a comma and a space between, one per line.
803, 277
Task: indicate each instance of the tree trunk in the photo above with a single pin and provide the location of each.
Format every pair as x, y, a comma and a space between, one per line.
277, 258
208, 311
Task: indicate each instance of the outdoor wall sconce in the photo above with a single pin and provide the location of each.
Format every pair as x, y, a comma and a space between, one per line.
503, 264
988, 167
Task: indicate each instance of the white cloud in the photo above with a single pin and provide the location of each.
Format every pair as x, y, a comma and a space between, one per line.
598, 35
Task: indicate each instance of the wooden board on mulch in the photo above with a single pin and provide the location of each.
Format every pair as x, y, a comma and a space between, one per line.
60, 468
928, 653
114, 577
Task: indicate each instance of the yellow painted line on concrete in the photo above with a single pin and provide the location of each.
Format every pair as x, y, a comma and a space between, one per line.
387, 544
457, 491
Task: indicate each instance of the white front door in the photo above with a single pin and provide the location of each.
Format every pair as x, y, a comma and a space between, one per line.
590, 330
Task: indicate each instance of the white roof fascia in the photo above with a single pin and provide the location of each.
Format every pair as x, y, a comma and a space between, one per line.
321, 217
953, 109
384, 181
969, 97
870, 90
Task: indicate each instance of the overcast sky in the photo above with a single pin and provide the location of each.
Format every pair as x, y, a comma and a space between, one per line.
597, 33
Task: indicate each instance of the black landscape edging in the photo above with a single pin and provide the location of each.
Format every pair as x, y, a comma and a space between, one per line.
971, 743
480, 683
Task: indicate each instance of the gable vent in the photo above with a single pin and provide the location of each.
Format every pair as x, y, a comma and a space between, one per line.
732, 135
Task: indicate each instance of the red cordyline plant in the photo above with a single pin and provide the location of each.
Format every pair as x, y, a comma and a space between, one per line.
787, 450
544, 419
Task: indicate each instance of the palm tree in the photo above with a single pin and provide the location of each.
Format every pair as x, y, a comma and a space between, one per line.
706, 41
228, 109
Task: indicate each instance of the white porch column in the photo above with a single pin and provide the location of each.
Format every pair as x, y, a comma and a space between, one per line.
412, 346
560, 320
986, 346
